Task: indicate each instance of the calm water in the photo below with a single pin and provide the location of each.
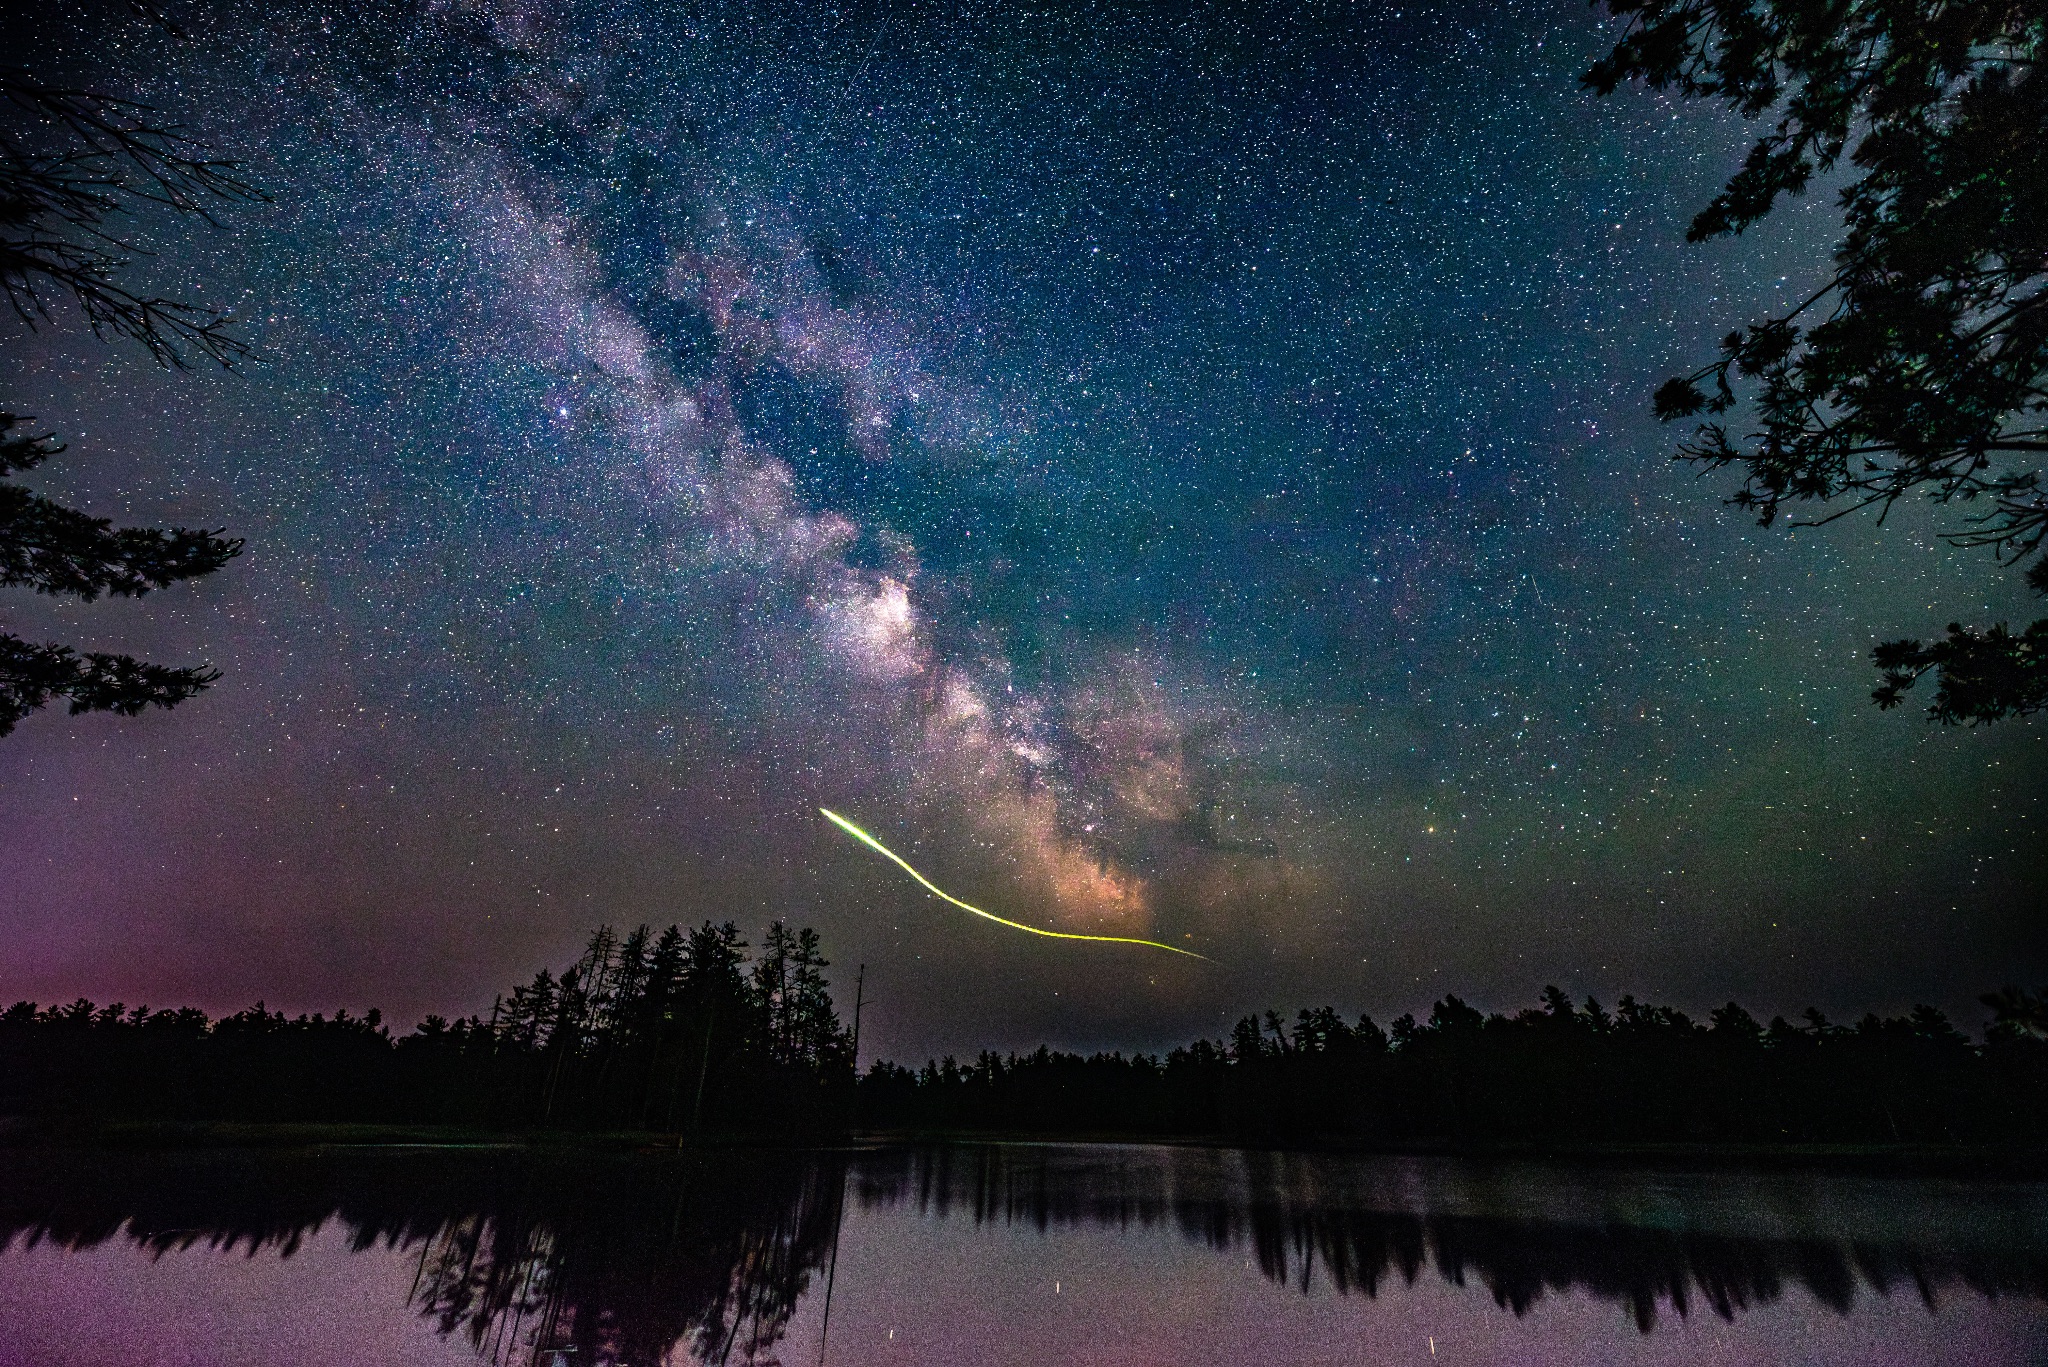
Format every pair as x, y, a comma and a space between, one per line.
1013, 1254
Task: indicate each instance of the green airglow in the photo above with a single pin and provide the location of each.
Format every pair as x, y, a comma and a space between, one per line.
935, 890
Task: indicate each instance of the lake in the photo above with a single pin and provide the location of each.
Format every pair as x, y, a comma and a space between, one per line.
999, 1254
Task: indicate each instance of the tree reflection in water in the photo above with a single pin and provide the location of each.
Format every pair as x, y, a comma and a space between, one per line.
623, 1264
618, 1259
534, 1259
1647, 1241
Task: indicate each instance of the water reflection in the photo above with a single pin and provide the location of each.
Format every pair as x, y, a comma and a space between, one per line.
653, 1257
531, 1259
1650, 1241
620, 1263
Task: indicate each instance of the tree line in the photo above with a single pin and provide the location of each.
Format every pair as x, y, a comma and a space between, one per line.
1553, 1074
681, 1030
690, 1031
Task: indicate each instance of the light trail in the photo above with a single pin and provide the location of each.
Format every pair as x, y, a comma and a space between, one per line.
935, 890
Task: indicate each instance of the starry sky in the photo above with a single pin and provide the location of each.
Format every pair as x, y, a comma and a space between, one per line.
1171, 471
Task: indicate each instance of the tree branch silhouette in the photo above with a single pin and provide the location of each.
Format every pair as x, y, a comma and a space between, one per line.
75, 165
1922, 363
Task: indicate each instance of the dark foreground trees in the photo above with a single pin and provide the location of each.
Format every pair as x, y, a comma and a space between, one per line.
683, 1031
1922, 363
76, 168
52, 549
1558, 1074
654, 1032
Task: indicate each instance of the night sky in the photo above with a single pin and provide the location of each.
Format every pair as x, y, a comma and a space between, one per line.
1182, 477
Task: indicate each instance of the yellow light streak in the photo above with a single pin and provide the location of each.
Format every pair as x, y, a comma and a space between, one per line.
935, 890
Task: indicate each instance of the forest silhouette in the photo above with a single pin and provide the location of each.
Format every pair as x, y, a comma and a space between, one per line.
684, 1032
679, 1031
1553, 1074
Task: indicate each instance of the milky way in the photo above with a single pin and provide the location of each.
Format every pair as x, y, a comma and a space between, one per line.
1195, 469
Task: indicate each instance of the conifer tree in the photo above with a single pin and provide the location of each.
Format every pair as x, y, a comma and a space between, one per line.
74, 165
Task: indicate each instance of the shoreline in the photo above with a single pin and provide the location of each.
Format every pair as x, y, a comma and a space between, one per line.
1961, 1161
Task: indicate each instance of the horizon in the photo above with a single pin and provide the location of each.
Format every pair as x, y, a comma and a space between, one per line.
397, 1027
